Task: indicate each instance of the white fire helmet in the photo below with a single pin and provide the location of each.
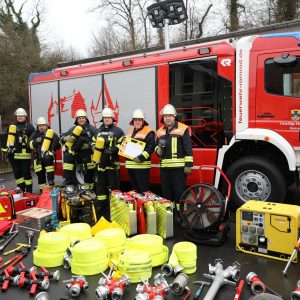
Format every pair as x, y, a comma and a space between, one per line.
41, 121
80, 113
20, 112
107, 113
138, 114
168, 109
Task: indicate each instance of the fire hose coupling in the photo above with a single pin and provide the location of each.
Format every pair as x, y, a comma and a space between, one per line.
257, 286
220, 276
110, 286
75, 285
67, 261
180, 284
156, 292
295, 295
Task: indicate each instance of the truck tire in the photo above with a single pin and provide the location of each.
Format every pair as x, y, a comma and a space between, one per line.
255, 178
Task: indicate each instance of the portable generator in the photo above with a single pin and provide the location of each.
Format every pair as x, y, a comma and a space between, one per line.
267, 229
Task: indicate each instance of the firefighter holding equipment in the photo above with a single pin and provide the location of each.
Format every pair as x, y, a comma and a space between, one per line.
44, 141
174, 147
18, 151
139, 167
107, 174
77, 141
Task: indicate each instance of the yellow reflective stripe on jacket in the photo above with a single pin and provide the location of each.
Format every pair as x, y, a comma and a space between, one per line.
67, 166
28, 181
49, 168
174, 147
172, 162
130, 164
20, 180
102, 197
31, 145
42, 185
145, 154
90, 166
23, 155
188, 158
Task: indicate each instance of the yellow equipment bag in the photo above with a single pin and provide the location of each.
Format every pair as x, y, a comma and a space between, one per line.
98, 150
76, 133
12, 130
47, 140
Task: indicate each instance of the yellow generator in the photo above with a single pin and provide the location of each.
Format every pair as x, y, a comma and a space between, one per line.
267, 229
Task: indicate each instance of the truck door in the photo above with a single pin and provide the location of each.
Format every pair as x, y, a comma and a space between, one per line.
199, 94
278, 94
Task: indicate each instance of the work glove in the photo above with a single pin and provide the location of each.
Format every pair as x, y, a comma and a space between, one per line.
39, 139
187, 170
137, 160
159, 151
69, 138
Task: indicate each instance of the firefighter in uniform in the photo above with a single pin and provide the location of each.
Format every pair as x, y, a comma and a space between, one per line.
19, 154
80, 150
108, 169
174, 147
139, 167
44, 162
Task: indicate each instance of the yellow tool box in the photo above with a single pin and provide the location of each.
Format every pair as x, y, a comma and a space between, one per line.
267, 229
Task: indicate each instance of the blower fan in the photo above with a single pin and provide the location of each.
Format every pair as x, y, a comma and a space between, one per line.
204, 210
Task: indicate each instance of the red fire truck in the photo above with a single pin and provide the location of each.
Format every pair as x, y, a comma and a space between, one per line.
241, 98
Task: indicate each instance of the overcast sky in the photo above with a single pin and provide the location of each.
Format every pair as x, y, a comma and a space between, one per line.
67, 21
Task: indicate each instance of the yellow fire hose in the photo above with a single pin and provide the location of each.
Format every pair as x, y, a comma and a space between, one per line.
77, 231
183, 258
136, 264
151, 243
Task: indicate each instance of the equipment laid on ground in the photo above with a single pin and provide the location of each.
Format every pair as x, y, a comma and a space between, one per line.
156, 292
123, 211
88, 257
146, 213
180, 285
199, 291
51, 249
268, 229
296, 293
182, 259
238, 290
12, 201
220, 276
76, 285
34, 218
257, 286
164, 215
204, 210
111, 288
77, 205
9, 236
295, 251
151, 243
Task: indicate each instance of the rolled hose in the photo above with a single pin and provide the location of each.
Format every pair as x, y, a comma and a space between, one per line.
183, 258
135, 263
151, 243
53, 242
48, 260
77, 231
91, 268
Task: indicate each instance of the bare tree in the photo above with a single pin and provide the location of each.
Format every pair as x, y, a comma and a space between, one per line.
286, 10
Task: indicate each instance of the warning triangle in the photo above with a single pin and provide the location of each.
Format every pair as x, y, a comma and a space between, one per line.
2, 210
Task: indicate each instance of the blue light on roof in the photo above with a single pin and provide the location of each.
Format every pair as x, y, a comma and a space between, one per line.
32, 75
286, 34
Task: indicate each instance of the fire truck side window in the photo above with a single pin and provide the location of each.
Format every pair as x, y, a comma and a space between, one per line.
283, 81
194, 92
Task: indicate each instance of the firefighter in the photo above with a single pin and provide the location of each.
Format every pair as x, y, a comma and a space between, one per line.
107, 175
139, 167
174, 147
19, 154
78, 150
44, 159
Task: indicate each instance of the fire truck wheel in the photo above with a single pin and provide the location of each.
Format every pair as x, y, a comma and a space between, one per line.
254, 178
